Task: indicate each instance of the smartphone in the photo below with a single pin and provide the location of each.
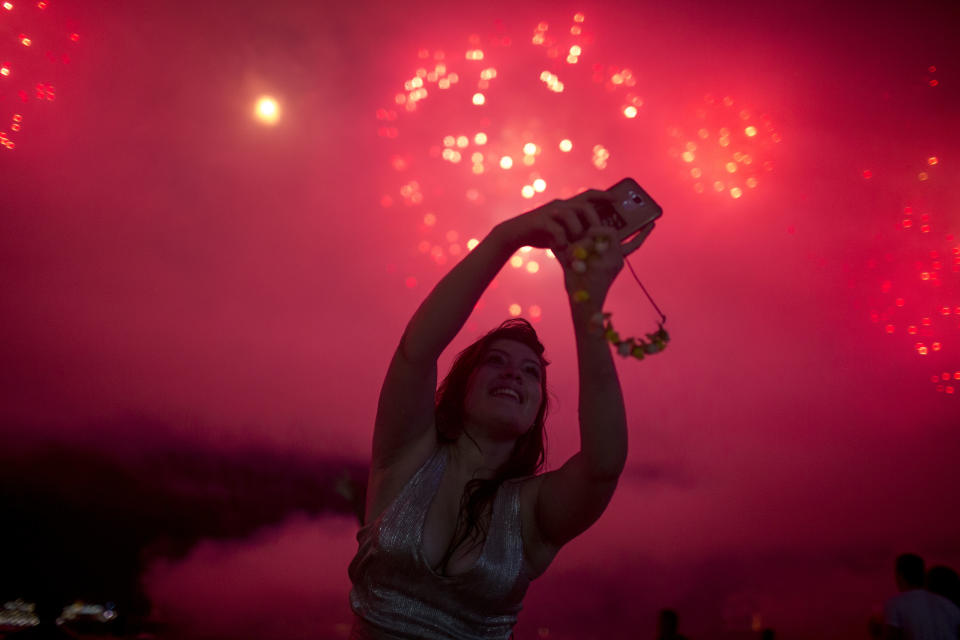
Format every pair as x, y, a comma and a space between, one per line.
627, 208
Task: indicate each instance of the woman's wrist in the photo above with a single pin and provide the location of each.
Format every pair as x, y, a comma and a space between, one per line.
503, 238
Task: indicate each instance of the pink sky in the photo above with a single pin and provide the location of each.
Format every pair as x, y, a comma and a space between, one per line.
164, 254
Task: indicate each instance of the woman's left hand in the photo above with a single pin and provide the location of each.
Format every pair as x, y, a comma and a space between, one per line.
593, 260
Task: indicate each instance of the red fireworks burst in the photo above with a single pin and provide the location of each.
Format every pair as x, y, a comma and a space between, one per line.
917, 295
31, 61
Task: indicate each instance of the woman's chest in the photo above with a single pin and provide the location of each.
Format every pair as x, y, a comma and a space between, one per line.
440, 530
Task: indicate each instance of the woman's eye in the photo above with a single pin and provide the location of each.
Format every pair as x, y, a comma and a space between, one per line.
534, 372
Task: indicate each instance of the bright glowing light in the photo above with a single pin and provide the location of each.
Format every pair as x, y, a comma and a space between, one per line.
533, 267
4, 71
472, 244
8, 6
478, 169
267, 110
752, 182
575, 50
475, 54
478, 99
552, 81
539, 185
506, 162
463, 141
600, 156
579, 17
565, 145
449, 141
932, 160
515, 309
430, 219
688, 156
25, 41
751, 131
529, 160
480, 138
476, 158
529, 149
732, 167
516, 262
527, 191
630, 112
735, 192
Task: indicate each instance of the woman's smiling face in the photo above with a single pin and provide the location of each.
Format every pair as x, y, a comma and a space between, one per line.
506, 390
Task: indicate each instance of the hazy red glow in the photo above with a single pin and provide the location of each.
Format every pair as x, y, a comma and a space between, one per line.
163, 252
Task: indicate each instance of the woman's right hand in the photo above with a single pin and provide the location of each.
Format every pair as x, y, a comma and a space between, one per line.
553, 226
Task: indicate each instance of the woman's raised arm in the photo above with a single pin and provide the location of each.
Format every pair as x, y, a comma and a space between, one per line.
405, 411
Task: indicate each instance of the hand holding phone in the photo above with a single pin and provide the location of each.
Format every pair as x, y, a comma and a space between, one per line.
627, 208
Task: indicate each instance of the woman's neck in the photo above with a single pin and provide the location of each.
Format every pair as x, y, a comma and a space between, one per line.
479, 459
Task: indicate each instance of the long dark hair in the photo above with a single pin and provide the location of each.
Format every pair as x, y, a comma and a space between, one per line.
529, 451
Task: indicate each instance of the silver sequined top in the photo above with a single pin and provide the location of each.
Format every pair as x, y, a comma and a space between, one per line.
396, 594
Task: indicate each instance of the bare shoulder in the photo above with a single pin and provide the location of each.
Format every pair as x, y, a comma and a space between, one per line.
387, 479
539, 553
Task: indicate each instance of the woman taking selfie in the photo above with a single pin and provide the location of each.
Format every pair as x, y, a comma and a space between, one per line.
458, 520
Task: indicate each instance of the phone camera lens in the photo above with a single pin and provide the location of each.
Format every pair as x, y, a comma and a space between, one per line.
637, 199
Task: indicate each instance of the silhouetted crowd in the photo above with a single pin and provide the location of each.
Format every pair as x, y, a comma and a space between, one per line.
927, 607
